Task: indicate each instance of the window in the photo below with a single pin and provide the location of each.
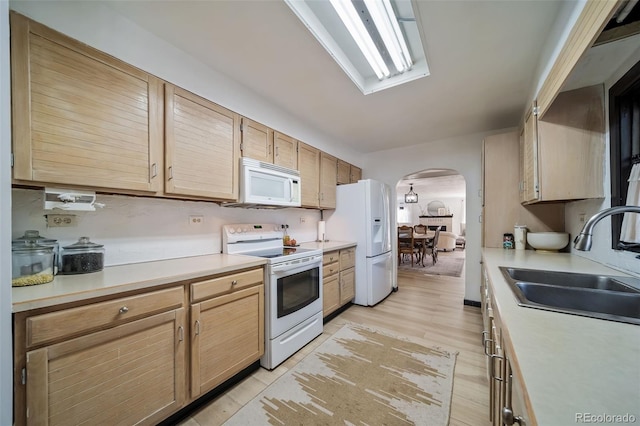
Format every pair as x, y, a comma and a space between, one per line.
624, 125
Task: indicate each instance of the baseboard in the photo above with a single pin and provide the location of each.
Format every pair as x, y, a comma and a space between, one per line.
472, 303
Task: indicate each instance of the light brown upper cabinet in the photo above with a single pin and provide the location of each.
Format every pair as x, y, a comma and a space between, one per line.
563, 156
82, 117
309, 166
285, 151
356, 174
257, 141
202, 147
344, 172
328, 176
592, 19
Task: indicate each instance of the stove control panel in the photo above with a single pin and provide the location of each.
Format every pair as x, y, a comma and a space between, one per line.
243, 232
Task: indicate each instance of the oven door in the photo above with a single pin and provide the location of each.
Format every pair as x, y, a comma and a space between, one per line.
294, 293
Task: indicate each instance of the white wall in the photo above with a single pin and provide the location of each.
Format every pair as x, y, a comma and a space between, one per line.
136, 229
462, 154
601, 251
6, 355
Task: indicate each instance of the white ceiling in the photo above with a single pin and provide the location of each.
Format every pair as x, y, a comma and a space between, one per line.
482, 56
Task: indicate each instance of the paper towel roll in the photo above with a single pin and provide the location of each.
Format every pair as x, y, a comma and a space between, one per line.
321, 230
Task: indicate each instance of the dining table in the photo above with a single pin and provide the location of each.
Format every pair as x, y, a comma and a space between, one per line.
423, 240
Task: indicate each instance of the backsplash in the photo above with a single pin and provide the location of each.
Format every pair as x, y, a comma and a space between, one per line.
139, 229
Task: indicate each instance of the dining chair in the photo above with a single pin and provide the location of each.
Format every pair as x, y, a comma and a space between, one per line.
406, 244
432, 246
420, 229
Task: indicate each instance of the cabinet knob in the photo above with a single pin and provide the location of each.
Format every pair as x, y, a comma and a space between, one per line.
234, 282
124, 310
509, 419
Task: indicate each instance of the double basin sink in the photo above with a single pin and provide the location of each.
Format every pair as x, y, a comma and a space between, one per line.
598, 296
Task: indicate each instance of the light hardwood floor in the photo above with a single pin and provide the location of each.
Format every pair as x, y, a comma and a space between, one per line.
430, 308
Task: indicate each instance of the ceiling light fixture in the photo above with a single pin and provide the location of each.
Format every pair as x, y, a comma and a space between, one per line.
349, 16
411, 197
386, 22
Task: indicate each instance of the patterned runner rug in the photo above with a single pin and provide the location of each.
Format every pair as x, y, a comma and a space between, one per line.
359, 375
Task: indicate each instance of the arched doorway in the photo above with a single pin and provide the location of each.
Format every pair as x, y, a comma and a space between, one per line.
441, 201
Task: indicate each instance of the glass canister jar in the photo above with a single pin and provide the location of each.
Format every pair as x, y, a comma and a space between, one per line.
31, 264
82, 257
34, 236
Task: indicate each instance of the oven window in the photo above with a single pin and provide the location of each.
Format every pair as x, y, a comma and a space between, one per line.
297, 291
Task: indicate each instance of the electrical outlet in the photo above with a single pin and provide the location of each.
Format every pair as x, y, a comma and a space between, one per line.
303, 219
59, 220
581, 217
196, 219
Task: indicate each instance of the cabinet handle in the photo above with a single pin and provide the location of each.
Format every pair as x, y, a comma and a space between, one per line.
197, 327
269, 149
509, 419
277, 152
486, 340
124, 310
493, 368
234, 282
170, 172
154, 170
180, 333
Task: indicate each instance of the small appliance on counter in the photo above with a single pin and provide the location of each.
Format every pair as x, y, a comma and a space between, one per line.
34, 236
32, 264
82, 257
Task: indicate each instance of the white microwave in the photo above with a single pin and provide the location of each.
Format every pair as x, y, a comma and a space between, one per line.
265, 184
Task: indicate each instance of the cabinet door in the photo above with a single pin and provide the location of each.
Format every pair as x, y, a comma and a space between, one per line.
285, 151
328, 176
330, 294
530, 158
257, 141
347, 285
309, 166
227, 336
82, 117
356, 174
344, 172
130, 374
202, 147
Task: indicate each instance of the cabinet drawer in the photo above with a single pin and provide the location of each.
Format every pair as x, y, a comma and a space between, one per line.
74, 321
217, 286
328, 270
330, 257
347, 258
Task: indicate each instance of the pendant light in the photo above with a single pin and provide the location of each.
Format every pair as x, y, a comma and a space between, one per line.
410, 197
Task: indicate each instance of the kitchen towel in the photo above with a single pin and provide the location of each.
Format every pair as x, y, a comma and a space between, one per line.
630, 232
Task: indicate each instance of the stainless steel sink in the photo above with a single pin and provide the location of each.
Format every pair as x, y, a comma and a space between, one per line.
571, 279
597, 296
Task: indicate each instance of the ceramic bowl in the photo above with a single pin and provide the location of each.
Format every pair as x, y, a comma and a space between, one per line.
548, 241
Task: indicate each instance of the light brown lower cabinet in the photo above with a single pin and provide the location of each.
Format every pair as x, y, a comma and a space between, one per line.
338, 279
227, 329
125, 360
506, 393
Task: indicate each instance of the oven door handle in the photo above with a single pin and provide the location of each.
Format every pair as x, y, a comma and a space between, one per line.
296, 265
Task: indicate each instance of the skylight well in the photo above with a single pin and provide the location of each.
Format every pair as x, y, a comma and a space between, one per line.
376, 42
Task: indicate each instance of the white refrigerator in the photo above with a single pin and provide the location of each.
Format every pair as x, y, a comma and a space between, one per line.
363, 214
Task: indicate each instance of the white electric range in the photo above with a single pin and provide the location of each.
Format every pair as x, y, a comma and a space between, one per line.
293, 287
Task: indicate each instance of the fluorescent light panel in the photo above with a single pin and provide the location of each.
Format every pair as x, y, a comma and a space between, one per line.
349, 16
386, 23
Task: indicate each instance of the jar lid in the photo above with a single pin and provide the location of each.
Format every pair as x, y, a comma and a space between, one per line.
83, 243
34, 235
31, 247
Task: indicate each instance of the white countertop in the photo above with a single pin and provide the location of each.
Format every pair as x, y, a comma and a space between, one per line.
327, 246
569, 364
117, 279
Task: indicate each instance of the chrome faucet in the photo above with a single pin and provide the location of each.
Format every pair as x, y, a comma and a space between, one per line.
583, 241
